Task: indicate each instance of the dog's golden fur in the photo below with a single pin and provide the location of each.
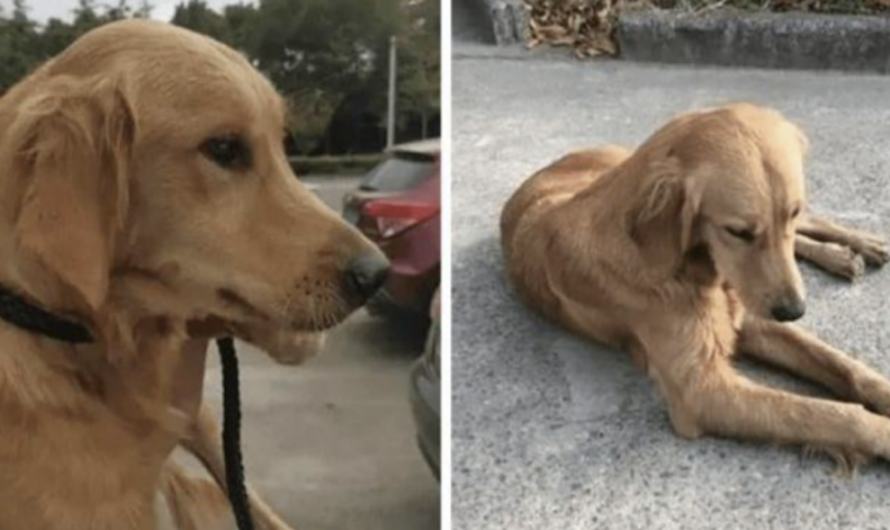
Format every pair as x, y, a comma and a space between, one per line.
113, 214
682, 252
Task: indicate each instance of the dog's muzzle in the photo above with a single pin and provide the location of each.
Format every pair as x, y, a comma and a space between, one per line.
789, 310
366, 275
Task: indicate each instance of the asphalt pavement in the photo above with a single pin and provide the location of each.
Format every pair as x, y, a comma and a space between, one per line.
554, 432
331, 444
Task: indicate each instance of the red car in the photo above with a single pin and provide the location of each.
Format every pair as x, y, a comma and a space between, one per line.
398, 207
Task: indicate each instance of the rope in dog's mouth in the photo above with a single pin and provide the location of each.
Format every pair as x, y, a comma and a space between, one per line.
23, 314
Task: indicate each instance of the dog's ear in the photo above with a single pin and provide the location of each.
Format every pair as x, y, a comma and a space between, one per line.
664, 217
692, 197
72, 142
697, 264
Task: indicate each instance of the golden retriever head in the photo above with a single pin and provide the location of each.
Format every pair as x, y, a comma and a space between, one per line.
151, 175
733, 180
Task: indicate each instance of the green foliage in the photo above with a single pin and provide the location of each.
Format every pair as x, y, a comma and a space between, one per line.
419, 75
24, 44
319, 53
196, 16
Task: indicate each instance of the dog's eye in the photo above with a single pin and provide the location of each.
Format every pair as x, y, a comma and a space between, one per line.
229, 152
744, 234
795, 212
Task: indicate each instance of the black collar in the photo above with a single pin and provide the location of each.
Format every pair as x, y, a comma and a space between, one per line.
25, 315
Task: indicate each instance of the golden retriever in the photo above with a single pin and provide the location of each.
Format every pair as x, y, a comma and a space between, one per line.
682, 252
146, 194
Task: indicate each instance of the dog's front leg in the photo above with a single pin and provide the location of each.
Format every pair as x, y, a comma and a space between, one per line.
801, 353
204, 442
711, 398
833, 257
872, 247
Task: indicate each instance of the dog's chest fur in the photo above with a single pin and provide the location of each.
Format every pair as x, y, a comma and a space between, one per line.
83, 440
720, 319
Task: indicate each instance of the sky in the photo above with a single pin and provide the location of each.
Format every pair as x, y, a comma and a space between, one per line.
42, 10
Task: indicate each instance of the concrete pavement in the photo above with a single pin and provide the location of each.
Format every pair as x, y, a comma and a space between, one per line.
330, 444
552, 432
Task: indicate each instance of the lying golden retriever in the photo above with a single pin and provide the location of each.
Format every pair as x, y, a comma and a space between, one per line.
146, 195
683, 253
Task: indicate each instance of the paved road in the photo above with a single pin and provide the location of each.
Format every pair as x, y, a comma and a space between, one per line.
551, 432
330, 444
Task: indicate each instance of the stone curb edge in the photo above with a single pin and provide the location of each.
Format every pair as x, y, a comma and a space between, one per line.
729, 38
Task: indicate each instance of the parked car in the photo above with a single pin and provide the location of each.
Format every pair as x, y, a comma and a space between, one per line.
398, 206
405, 166
425, 392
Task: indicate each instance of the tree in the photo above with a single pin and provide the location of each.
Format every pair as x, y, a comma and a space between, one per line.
18, 46
118, 12
85, 17
57, 35
197, 16
144, 10
327, 57
240, 19
319, 51
24, 44
420, 61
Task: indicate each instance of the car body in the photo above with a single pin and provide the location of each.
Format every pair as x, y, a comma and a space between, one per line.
425, 392
398, 206
404, 167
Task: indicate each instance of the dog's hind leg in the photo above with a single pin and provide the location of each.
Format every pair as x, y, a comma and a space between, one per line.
873, 247
833, 257
204, 441
797, 351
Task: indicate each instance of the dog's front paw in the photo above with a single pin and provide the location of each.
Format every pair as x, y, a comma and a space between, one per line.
874, 249
850, 265
874, 391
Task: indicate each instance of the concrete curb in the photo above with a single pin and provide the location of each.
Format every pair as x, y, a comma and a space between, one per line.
762, 40
509, 19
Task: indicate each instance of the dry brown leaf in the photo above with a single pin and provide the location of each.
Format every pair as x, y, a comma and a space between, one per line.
588, 26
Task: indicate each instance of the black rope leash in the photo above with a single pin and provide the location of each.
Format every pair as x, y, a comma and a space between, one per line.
231, 434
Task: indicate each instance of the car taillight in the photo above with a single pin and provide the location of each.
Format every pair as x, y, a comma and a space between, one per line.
394, 216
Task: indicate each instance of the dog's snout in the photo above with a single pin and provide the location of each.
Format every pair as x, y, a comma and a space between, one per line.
365, 275
789, 310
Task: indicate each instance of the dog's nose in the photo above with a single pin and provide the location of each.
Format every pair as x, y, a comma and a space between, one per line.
789, 311
365, 275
